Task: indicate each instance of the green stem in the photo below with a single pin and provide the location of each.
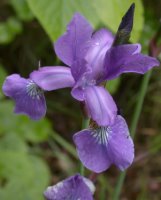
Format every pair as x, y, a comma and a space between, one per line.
66, 145
133, 127
85, 124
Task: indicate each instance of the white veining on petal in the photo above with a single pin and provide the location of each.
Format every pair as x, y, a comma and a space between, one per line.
33, 90
101, 134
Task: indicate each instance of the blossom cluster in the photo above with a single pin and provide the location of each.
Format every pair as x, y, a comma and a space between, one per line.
90, 60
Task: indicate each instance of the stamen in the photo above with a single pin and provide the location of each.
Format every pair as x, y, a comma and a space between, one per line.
33, 90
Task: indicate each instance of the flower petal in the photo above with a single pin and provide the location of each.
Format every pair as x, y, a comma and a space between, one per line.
126, 58
29, 98
75, 187
100, 104
101, 41
120, 144
91, 150
99, 148
52, 78
70, 46
79, 67
78, 93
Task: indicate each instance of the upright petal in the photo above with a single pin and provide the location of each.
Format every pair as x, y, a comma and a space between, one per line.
29, 98
92, 150
52, 78
75, 187
99, 148
126, 58
120, 144
82, 73
79, 68
101, 41
70, 46
100, 105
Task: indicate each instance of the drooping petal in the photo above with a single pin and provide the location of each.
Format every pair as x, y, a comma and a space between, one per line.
52, 78
92, 150
69, 47
78, 93
120, 144
126, 58
101, 41
73, 188
100, 105
99, 148
29, 98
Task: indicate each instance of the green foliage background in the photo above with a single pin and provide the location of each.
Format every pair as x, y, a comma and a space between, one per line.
32, 154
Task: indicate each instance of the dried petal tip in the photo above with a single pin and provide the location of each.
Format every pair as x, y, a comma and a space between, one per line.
75, 187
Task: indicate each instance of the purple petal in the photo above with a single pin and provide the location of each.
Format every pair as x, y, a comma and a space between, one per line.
78, 93
29, 98
121, 147
75, 187
101, 105
83, 76
126, 58
69, 47
101, 41
99, 148
52, 78
92, 153
79, 68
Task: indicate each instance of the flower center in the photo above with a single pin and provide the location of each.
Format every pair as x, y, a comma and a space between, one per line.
85, 82
34, 91
101, 134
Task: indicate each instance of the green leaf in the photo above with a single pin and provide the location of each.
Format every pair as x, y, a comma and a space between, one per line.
111, 13
11, 141
22, 177
34, 131
22, 9
9, 30
3, 75
54, 15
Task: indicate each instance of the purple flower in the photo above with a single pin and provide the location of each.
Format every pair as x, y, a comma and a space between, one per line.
99, 148
92, 60
29, 97
76, 187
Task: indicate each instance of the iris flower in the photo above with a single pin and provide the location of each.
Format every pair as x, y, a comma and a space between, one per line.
28, 96
90, 59
100, 147
75, 187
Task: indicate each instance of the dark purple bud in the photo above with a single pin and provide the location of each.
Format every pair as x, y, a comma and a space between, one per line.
125, 27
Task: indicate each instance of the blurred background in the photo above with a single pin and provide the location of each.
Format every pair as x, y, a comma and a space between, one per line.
33, 154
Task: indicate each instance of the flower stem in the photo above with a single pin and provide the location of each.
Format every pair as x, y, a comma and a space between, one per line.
133, 127
66, 145
85, 124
